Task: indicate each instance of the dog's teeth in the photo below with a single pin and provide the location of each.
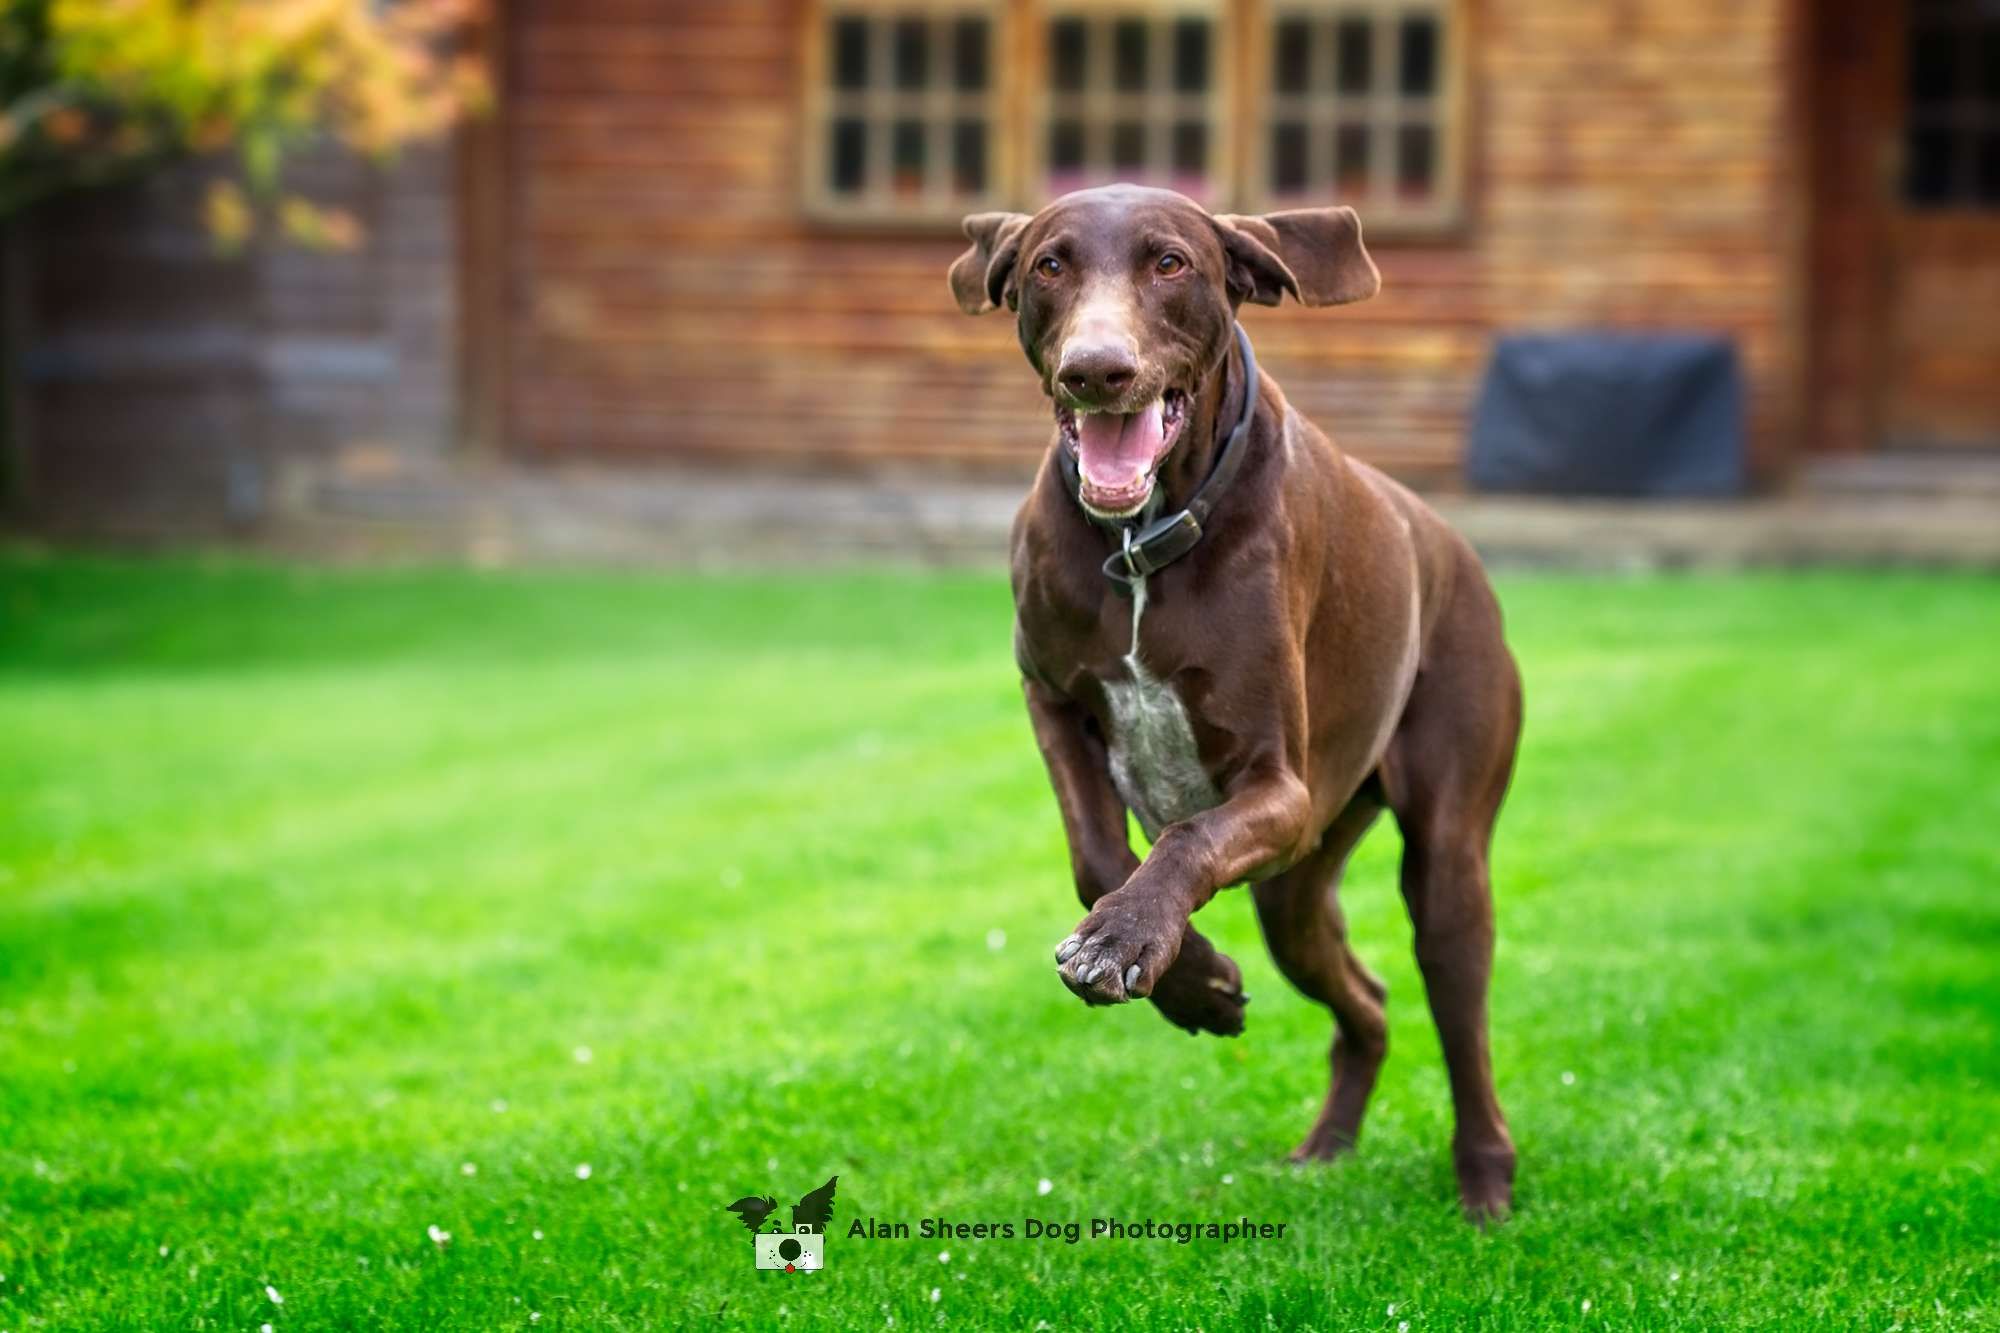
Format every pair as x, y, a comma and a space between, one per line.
1131, 976
1067, 949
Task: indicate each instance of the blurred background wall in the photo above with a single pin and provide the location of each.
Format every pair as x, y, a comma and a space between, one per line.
715, 232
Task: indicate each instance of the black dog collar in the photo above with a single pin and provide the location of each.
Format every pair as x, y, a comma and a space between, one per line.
1159, 543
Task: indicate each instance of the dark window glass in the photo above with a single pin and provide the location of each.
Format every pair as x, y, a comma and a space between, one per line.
912, 53
1066, 145
847, 164
1417, 74
1989, 65
1350, 159
968, 54
1128, 145
1933, 67
1986, 182
1191, 55
1354, 62
1930, 166
1128, 55
906, 155
1190, 148
850, 53
1416, 160
1291, 56
1069, 54
968, 156
1288, 157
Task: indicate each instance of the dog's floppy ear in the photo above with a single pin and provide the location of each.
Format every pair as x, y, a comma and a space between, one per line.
980, 277
1316, 254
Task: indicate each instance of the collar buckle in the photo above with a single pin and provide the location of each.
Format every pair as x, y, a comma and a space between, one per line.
1153, 548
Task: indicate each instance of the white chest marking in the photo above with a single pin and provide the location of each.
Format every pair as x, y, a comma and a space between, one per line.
1154, 762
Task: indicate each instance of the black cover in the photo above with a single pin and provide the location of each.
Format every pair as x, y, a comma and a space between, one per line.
1609, 413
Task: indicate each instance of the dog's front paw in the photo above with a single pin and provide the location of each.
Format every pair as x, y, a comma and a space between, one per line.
1121, 949
1202, 991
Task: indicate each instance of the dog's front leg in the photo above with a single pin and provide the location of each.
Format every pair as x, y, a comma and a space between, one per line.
1093, 816
1203, 990
1133, 934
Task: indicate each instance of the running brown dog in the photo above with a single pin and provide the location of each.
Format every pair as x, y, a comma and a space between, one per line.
1260, 675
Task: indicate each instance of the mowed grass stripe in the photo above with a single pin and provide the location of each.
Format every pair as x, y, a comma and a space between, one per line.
395, 844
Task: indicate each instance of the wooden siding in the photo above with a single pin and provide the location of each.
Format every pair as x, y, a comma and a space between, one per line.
164, 384
1628, 166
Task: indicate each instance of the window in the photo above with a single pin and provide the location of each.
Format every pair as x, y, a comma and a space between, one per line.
1133, 96
906, 105
1952, 152
1359, 110
925, 111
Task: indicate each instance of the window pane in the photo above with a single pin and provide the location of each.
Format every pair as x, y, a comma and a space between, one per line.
1933, 67
1291, 56
912, 53
1128, 55
1416, 165
1986, 183
1418, 74
1191, 55
1350, 160
968, 157
847, 162
1930, 166
1190, 148
1066, 145
1128, 145
850, 53
1354, 43
1288, 157
907, 156
1989, 66
1069, 50
968, 45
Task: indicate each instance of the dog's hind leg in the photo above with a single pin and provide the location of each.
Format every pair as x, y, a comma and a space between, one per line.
1303, 927
1444, 776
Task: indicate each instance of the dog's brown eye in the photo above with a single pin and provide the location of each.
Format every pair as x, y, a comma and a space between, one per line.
1048, 266
1171, 263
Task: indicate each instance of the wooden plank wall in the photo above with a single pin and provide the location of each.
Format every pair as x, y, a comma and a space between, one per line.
170, 386
1857, 57
1642, 166
1629, 167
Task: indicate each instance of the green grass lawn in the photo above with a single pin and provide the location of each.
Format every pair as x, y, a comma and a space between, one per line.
335, 907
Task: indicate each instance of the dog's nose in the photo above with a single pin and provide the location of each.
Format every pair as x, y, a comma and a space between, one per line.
1097, 375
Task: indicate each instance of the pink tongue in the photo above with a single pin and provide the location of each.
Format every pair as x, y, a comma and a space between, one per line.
1114, 451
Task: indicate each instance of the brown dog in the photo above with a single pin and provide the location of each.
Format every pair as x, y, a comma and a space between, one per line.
1263, 673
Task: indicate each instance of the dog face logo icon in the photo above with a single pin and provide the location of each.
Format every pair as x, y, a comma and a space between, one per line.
803, 1248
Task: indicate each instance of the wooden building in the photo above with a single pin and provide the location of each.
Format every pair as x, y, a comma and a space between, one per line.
717, 230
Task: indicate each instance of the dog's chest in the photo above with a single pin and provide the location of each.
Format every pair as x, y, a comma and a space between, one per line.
1154, 762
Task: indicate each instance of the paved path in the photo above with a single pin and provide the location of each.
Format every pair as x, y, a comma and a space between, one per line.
712, 520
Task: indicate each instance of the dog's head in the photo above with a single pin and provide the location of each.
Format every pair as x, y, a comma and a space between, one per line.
1124, 298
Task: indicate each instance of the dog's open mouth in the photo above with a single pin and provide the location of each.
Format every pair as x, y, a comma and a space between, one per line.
1119, 453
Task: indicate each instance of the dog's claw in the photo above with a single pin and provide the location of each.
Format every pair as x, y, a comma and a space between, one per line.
1090, 978
1067, 949
1131, 977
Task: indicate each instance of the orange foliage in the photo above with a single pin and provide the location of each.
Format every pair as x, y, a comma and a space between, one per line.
119, 82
